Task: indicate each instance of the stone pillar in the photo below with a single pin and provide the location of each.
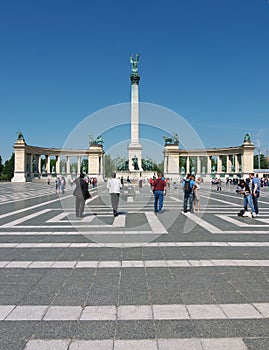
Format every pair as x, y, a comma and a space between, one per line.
79, 164
165, 164
20, 161
219, 164
57, 164
135, 149
95, 160
198, 170
187, 165
229, 164
67, 165
171, 156
209, 165
37, 156
236, 163
39, 164
48, 164
247, 158
31, 163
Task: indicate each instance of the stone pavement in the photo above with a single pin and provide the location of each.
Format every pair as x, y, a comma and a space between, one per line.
139, 281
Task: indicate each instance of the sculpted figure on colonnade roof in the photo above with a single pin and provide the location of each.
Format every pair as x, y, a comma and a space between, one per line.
20, 135
247, 137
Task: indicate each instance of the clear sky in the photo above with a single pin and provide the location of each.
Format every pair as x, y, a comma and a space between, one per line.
62, 60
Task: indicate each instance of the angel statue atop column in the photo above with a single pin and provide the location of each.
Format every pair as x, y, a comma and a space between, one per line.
134, 63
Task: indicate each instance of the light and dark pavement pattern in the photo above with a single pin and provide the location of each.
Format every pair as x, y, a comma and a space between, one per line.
140, 281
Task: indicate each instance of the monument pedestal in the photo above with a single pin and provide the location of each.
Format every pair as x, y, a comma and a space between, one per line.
135, 152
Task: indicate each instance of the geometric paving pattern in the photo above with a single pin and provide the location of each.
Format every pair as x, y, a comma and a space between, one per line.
137, 281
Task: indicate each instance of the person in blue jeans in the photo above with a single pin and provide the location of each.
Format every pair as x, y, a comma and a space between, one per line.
158, 188
188, 187
255, 191
245, 190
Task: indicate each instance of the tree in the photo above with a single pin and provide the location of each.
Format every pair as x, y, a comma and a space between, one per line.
1, 165
8, 169
109, 165
264, 164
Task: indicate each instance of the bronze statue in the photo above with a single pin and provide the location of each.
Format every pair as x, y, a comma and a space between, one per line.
174, 140
20, 135
97, 141
135, 163
134, 63
247, 137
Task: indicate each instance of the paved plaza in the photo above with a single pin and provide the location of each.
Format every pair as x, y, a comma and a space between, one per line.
140, 281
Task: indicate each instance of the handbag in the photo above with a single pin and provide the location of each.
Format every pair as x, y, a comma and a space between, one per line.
153, 190
87, 195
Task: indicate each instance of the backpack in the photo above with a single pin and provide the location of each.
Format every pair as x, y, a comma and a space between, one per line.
241, 213
187, 186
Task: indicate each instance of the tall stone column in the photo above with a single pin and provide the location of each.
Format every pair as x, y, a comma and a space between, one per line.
188, 165
135, 149
48, 163
58, 159
219, 164
78, 164
39, 164
198, 170
209, 165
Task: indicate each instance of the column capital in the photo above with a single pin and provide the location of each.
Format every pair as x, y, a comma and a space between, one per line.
135, 79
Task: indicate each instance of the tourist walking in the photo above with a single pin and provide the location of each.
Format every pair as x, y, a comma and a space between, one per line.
219, 183
244, 189
62, 185
57, 184
255, 191
188, 186
158, 188
114, 186
196, 194
81, 192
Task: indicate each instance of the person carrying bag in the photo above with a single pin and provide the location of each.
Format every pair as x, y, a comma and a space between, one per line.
158, 189
81, 192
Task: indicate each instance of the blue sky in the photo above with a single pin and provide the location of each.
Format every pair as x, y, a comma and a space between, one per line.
63, 60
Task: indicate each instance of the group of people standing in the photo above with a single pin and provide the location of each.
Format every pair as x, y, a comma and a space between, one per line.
191, 189
250, 189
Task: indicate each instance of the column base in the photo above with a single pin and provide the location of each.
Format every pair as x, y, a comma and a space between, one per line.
19, 177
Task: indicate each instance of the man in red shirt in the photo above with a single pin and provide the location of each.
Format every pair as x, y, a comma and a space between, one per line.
158, 188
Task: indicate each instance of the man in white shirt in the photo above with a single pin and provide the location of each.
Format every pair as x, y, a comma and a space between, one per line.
114, 186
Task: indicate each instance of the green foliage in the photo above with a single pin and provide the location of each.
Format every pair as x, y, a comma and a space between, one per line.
8, 169
1, 165
109, 165
264, 164
84, 166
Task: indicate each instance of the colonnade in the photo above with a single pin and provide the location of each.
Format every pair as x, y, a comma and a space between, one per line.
211, 162
28, 162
